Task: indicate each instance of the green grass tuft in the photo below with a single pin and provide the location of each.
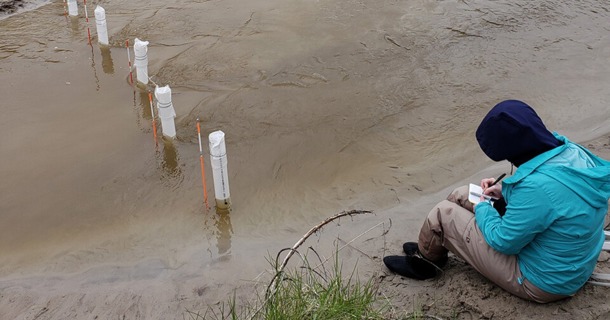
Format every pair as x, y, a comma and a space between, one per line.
306, 293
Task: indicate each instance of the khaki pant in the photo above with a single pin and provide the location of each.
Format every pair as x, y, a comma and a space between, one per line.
450, 226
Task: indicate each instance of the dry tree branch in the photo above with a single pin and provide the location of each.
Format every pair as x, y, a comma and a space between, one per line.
311, 231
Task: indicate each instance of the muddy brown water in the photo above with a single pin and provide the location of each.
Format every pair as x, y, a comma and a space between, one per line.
326, 106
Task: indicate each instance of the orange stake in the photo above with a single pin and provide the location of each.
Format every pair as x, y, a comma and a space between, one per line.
205, 191
129, 59
87, 18
152, 113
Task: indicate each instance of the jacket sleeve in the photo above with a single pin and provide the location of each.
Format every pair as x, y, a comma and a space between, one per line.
527, 214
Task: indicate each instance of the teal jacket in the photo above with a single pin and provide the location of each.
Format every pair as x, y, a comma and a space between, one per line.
556, 205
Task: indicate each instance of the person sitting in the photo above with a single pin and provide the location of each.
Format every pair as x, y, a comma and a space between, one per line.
540, 241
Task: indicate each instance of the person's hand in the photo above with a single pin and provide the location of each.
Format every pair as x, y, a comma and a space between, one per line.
485, 183
493, 191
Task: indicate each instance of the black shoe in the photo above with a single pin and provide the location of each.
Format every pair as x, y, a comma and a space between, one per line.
412, 267
410, 248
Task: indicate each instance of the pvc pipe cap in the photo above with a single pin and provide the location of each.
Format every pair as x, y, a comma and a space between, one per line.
140, 47
163, 94
100, 13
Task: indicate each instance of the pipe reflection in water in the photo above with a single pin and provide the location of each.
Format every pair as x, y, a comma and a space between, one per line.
107, 64
170, 157
75, 25
97, 79
169, 163
145, 104
139, 94
224, 230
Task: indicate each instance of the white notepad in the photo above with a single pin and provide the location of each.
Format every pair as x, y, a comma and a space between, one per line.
475, 192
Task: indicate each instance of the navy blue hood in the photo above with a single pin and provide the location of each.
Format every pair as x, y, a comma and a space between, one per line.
513, 131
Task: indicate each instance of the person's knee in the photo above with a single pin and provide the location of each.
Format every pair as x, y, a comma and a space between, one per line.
458, 194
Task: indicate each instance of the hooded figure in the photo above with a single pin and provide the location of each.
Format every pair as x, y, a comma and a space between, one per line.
557, 199
513, 131
546, 244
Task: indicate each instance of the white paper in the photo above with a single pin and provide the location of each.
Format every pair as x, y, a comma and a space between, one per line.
475, 192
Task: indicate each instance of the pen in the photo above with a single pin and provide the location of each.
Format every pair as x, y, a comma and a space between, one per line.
476, 194
497, 180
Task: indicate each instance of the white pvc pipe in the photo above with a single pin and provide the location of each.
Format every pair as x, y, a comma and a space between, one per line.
140, 48
72, 8
166, 110
100, 23
218, 160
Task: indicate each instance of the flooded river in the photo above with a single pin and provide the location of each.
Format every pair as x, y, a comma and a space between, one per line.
327, 105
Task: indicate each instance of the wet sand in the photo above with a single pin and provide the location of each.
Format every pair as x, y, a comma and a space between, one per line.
327, 106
